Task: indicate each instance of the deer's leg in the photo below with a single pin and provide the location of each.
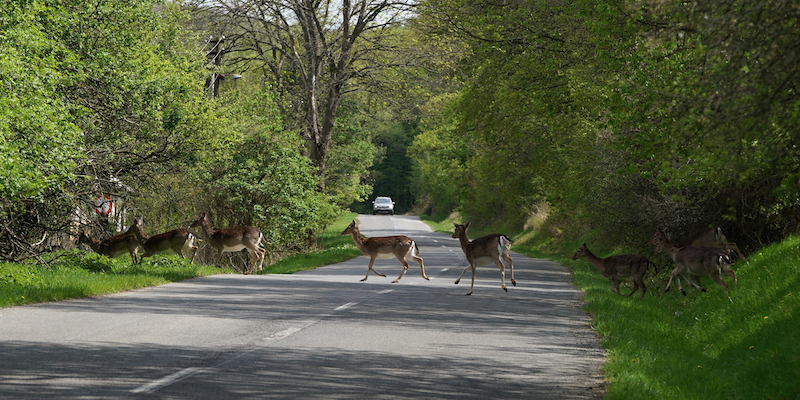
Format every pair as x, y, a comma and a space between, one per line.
194, 253
690, 280
471, 266
730, 273
639, 282
402, 259
679, 284
635, 288
510, 267
261, 252
219, 258
178, 249
371, 262
615, 285
462, 273
672, 276
502, 273
721, 282
145, 255
421, 266
403, 272
253, 261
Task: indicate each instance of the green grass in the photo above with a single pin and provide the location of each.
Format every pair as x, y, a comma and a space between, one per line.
703, 345
75, 274
700, 346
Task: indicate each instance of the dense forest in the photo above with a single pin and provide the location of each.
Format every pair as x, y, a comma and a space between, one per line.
609, 118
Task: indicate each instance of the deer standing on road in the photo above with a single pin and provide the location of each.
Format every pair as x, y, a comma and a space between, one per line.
401, 247
491, 248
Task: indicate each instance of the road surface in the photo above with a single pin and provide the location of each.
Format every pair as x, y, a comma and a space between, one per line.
318, 334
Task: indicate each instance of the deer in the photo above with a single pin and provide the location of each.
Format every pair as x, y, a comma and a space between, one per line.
176, 240
619, 266
696, 261
401, 247
234, 239
492, 248
710, 238
113, 246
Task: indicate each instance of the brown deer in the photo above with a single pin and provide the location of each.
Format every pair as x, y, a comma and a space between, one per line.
401, 247
696, 261
176, 240
113, 246
234, 239
619, 266
487, 249
710, 238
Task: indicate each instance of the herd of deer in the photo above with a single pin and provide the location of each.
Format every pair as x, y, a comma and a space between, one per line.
180, 240
705, 253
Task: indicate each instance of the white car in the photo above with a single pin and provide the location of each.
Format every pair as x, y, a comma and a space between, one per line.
383, 205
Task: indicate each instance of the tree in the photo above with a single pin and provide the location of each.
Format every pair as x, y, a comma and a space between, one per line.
626, 115
520, 115
715, 124
263, 180
314, 51
97, 98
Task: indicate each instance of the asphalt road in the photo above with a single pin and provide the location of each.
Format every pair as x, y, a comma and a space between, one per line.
318, 334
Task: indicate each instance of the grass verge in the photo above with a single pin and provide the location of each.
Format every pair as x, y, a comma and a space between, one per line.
75, 274
703, 345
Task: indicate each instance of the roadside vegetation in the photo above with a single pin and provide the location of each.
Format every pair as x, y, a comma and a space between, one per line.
703, 345
74, 274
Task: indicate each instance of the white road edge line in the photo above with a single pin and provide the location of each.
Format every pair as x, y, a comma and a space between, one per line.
285, 333
344, 306
386, 291
167, 380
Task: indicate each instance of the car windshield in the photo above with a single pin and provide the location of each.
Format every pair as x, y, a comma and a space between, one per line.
383, 200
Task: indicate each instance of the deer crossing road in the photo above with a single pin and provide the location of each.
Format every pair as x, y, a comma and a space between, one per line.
320, 334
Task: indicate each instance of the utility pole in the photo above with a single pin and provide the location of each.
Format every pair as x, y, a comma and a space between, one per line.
214, 55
